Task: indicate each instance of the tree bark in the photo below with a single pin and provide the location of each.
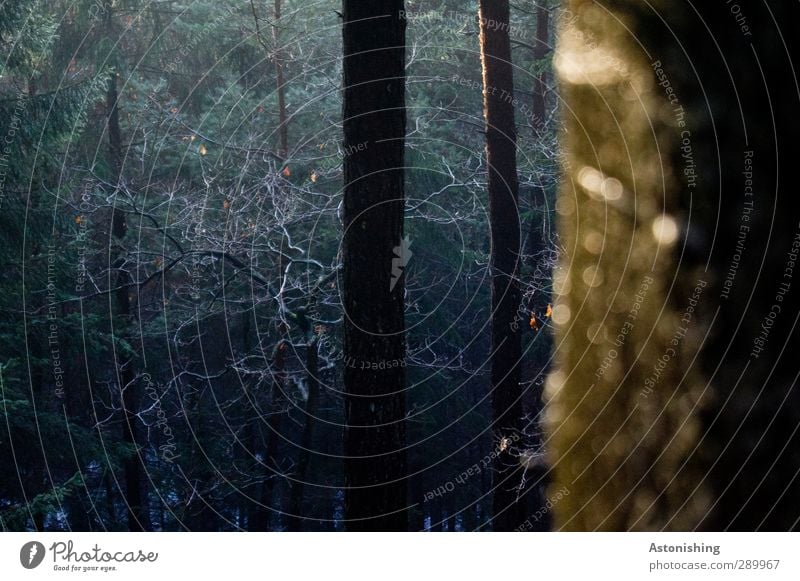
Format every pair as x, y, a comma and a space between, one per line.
501, 146
374, 331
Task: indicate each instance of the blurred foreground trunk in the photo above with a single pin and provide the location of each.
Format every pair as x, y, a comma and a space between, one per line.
675, 404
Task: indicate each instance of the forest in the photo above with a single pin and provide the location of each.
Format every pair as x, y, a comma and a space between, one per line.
395, 265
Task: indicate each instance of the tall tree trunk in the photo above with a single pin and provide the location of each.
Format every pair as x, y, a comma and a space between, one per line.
501, 151
259, 519
670, 411
307, 441
129, 389
540, 50
537, 267
252, 438
373, 255
278, 56
539, 109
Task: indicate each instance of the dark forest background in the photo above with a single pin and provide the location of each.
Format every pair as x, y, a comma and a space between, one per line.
172, 207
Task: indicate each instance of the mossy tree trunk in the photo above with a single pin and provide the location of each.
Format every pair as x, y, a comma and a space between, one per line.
669, 410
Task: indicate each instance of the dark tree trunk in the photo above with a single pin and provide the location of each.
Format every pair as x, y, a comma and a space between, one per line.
312, 408
435, 512
259, 518
416, 516
538, 272
539, 108
540, 50
450, 515
469, 518
374, 332
278, 56
129, 389
127, 377
501, 153
81, 510
111, 506
255, 517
